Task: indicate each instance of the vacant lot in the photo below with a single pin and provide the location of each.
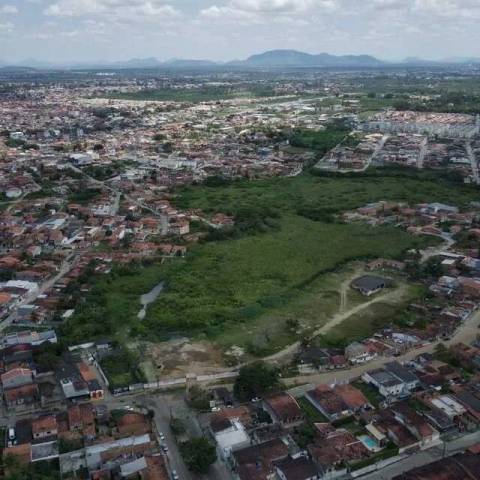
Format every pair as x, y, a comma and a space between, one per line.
376, 316
273, 281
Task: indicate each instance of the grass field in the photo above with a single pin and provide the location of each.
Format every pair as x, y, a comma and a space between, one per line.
376, 316
204, 94
248, 289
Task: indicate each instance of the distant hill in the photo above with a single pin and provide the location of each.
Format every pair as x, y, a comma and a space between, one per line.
295, 58
183, 63
272, 58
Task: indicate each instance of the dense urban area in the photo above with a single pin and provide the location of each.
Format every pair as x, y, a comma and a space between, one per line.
245, 274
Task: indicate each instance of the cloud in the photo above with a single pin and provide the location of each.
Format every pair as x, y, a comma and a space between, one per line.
123, 9
7, 27
9, 10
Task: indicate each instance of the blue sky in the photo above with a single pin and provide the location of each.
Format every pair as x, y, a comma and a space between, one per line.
92, 30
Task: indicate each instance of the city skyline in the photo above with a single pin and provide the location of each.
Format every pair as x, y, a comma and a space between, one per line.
62, 31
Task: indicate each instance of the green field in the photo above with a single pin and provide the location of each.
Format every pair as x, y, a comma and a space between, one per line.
376, 316
204, 94
281, 266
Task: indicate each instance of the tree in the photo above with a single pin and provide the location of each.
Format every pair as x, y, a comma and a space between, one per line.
198, 454
255, 380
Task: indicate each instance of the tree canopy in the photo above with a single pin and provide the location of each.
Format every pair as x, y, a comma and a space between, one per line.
255, 380
198, 454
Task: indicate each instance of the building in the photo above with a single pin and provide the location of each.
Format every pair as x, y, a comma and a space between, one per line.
284, 409
328, 403
369, 285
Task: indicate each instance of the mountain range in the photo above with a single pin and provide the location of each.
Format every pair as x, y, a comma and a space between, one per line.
269, 59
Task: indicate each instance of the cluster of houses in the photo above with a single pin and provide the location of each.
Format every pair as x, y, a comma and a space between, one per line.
436, 141
328, 431
33, 378
89, 441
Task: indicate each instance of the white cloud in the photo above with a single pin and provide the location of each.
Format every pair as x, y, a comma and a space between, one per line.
7, 27
124, 9
9, 10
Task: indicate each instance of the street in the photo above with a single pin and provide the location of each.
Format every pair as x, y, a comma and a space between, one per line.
425, 457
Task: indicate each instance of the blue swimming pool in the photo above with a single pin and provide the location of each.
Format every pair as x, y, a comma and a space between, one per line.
369, 442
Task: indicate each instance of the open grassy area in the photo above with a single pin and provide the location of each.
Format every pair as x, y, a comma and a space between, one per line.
204, 94
121, 369
328, 193
376, 316
251, 288
223, 285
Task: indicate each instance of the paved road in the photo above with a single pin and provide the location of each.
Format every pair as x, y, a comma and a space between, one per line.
425, 457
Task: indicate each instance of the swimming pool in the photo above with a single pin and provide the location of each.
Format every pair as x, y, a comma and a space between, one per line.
369, 442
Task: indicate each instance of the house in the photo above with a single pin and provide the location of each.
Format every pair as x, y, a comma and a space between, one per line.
393, 381
358, 353
230, 435
369, 285
415, 424
470, 286
284, 409
409, 379
257, 462
334, 448
328, 403
387, 384
353, 397
81, 419
300, 468
22, 397
30, 338
16, 377
44, 427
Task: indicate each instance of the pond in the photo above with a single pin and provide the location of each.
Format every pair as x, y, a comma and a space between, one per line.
148, 298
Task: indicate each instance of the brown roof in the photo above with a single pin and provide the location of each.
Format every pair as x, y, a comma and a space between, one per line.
86, 372
13, 394
44, 424
352, 396
330, 401
337, 447
284, 406
256, 462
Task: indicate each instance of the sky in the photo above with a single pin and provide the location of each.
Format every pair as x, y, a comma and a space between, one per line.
63, 31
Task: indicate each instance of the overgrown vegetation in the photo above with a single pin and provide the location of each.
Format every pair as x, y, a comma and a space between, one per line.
121, 369
256, 380
286, 238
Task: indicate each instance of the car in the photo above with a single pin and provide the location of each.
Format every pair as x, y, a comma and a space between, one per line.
162, 436
215, 409
164, 449
175, 475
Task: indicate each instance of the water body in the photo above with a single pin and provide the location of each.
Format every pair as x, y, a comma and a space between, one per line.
149, 298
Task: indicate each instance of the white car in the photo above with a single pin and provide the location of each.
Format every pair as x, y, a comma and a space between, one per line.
175, 475
162, 436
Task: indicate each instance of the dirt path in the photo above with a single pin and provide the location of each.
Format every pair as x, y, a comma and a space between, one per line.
337, 319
